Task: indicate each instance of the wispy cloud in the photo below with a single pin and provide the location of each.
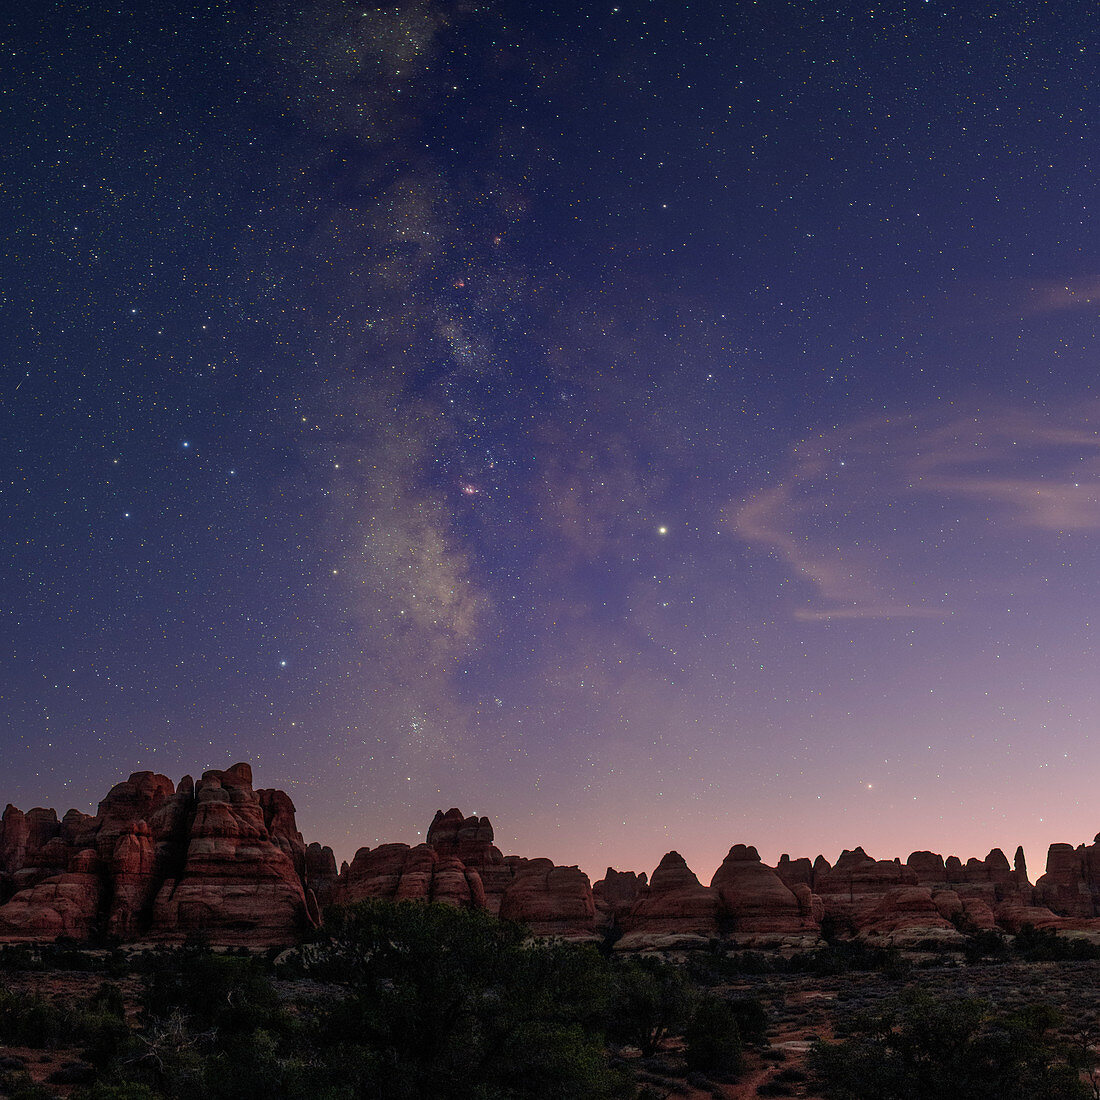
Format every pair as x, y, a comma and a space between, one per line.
873, 517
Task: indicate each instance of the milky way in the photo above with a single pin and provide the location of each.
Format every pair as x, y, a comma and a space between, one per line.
652, 427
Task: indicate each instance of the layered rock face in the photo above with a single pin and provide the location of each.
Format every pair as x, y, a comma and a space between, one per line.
396, 872
237, 882
459, 865
157, 862
550, 900
675, 909
1071, 885
470, 840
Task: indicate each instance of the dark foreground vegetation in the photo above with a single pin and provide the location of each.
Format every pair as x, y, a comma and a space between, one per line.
415, 1001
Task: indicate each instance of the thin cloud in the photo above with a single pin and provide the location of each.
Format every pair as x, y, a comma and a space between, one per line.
871, 516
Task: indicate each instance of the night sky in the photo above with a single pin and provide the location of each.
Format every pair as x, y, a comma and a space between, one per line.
652, 425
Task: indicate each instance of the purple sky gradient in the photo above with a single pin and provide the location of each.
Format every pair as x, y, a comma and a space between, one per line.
650, 427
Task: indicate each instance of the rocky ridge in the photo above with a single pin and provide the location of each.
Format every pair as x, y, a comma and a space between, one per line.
159, 861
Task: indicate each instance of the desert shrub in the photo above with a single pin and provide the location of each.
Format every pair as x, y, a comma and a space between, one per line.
20, 1086
791, 1074
108, 1000
72, 1073
712, 1038
66, 953
448, 1002
28, 1020
126, 1090
756, 962
847, 956
715, 965
18, 957
987, 946
651, 1002
231, 994
1045, 945
752, 1019
952, 1049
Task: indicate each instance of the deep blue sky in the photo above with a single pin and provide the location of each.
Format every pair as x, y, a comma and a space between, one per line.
650, 425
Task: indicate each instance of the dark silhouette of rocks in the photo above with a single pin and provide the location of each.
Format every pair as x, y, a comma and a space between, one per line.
615, 895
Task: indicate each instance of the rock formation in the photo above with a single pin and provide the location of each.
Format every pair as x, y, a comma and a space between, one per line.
321, 876
675, 909
752, 898
158, 861
1071, 885
614, 897
396, 872
237, 884
470, 840
551, 900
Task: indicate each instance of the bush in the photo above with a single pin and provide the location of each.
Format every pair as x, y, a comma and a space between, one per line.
752, 1019
126, 1090
712, 1039
447, 1002
28, 1020
17, 957
19, 1086
1045, 945
230, 994
651, 1002
851, 955
987, 946
948, 1050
